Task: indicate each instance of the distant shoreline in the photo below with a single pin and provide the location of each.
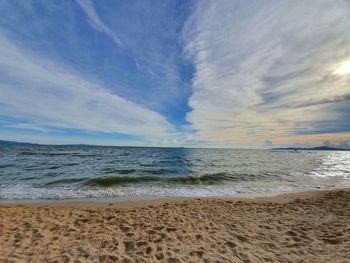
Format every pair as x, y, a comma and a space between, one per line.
320, 148
131, 201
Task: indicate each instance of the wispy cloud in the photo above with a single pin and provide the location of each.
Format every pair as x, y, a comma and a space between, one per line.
96, 22
48, 96
265, 69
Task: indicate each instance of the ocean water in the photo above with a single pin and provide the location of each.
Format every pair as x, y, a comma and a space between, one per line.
64, 172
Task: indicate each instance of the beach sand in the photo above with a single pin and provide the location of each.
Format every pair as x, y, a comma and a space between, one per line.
300, 227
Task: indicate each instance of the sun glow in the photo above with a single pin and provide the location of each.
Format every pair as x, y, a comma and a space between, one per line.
343, 69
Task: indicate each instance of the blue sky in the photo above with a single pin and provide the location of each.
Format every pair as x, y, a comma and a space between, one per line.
168, 73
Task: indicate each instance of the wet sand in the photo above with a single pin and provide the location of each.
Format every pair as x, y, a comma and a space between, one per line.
300, 227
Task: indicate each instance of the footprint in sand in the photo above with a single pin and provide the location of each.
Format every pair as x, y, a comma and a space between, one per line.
129, 247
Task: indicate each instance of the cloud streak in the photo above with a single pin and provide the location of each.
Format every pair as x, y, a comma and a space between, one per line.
265, 69
96, 22
48, 96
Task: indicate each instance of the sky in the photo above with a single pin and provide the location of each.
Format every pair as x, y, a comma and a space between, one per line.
229, 73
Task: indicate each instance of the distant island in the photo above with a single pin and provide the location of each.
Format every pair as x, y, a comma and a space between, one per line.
3, 142
320, 148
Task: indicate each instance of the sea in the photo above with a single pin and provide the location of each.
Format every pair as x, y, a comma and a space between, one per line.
75, 172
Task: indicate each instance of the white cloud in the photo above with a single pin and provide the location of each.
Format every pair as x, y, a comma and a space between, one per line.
264, 69
28, 126
96, 22
48, 96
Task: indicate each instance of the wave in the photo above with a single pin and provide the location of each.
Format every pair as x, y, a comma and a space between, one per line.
173, 160
69, 164
56, 154
53, 154
73, 154
6, 165
53, 174
54, 167
117, 180
118, 171
201, 179
147, 164
66, 181
30, 178
85, 155
26, 152
159, 171
42, 167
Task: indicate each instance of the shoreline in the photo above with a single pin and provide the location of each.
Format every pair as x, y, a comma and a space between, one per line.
135, 201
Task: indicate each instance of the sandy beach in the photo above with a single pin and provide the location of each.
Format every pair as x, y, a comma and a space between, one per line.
298, 227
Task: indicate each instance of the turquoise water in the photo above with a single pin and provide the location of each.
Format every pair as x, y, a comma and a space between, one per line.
62, 172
